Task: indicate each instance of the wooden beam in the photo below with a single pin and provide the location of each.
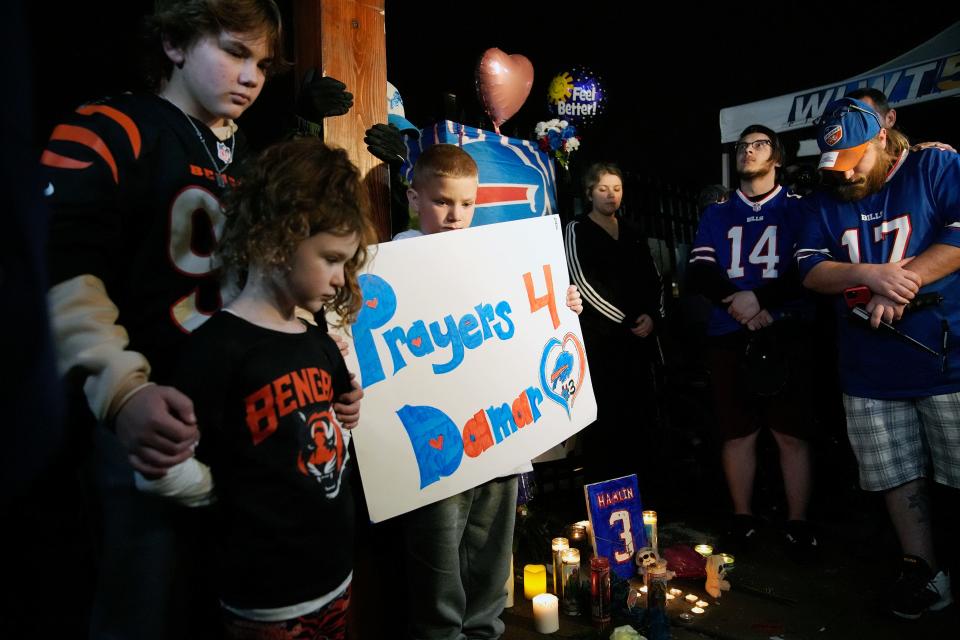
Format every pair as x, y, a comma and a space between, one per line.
346, 39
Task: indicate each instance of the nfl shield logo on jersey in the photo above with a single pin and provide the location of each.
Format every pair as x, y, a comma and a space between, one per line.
224, 152
833, 135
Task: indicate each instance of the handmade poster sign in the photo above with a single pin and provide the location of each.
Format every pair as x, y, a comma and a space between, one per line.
470, 361
616, 522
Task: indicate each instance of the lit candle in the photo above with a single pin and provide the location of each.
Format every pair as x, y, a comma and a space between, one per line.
676, 591
703, 604
558, 546
509, 585
585, 524
570, 585
704, 550
643, 589
727, 560
578, 532
546, 614
671, 596
650, 526
697, 610
690, 597
534, 580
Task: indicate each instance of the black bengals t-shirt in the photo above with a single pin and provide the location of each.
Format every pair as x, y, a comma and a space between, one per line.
279, 459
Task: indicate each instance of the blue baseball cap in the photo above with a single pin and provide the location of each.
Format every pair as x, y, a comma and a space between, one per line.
396, 115
843, 132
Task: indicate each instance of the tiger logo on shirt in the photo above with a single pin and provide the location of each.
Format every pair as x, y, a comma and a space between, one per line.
323, 453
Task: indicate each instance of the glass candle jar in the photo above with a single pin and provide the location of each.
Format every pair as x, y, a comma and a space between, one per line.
558, 546
570, 585
656, 582
650, 528
600, 590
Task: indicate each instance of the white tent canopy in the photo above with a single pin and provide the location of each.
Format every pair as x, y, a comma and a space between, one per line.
928, 72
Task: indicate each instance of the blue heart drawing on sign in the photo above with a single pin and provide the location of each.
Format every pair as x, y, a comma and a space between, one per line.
562, 368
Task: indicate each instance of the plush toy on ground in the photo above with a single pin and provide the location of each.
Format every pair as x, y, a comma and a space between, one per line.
715, 574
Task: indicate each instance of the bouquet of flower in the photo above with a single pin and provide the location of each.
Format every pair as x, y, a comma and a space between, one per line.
558, 138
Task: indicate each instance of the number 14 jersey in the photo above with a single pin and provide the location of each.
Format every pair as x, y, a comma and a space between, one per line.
750, 243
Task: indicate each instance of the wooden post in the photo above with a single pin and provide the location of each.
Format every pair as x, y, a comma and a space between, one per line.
346, 39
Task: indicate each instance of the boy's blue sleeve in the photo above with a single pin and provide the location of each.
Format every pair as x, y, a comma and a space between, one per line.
706, 275
946, 194
813, 244
704, 249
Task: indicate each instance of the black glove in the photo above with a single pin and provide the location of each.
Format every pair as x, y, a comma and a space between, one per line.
385, 142
322, 97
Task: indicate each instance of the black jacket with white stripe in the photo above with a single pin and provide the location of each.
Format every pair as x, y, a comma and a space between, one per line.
618, 279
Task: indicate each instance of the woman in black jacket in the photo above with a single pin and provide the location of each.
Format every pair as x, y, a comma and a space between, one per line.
610, 263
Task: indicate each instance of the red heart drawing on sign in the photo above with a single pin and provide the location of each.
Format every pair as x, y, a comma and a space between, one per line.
372, 303
437, 443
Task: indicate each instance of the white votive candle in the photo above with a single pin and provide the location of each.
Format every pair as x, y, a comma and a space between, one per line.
690, 597
546, 613
696, 610
703, 604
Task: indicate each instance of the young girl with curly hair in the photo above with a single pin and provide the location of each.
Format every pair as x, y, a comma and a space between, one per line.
273, 457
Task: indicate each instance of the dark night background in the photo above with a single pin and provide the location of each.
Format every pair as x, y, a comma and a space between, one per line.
667, 69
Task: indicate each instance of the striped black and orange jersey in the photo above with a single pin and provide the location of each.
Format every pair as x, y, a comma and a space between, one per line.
136, 207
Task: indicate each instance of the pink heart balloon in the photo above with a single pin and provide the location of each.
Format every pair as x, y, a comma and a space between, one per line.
503, 84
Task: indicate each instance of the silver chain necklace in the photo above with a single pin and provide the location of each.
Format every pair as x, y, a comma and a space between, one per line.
223, 151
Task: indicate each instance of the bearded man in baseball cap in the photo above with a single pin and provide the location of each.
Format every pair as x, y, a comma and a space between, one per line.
889, 220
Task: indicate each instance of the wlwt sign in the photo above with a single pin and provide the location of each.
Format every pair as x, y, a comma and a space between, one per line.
470, 361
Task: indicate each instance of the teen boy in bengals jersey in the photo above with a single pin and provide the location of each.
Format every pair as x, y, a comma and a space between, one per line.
890, 221
135, 185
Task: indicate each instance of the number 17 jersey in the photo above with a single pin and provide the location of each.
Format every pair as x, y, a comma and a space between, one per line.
918, 206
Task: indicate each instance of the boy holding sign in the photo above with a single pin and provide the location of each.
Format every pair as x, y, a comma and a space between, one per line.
458, 549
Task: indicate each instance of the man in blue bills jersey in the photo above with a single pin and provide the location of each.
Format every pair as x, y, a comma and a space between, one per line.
741, 263
890, 221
